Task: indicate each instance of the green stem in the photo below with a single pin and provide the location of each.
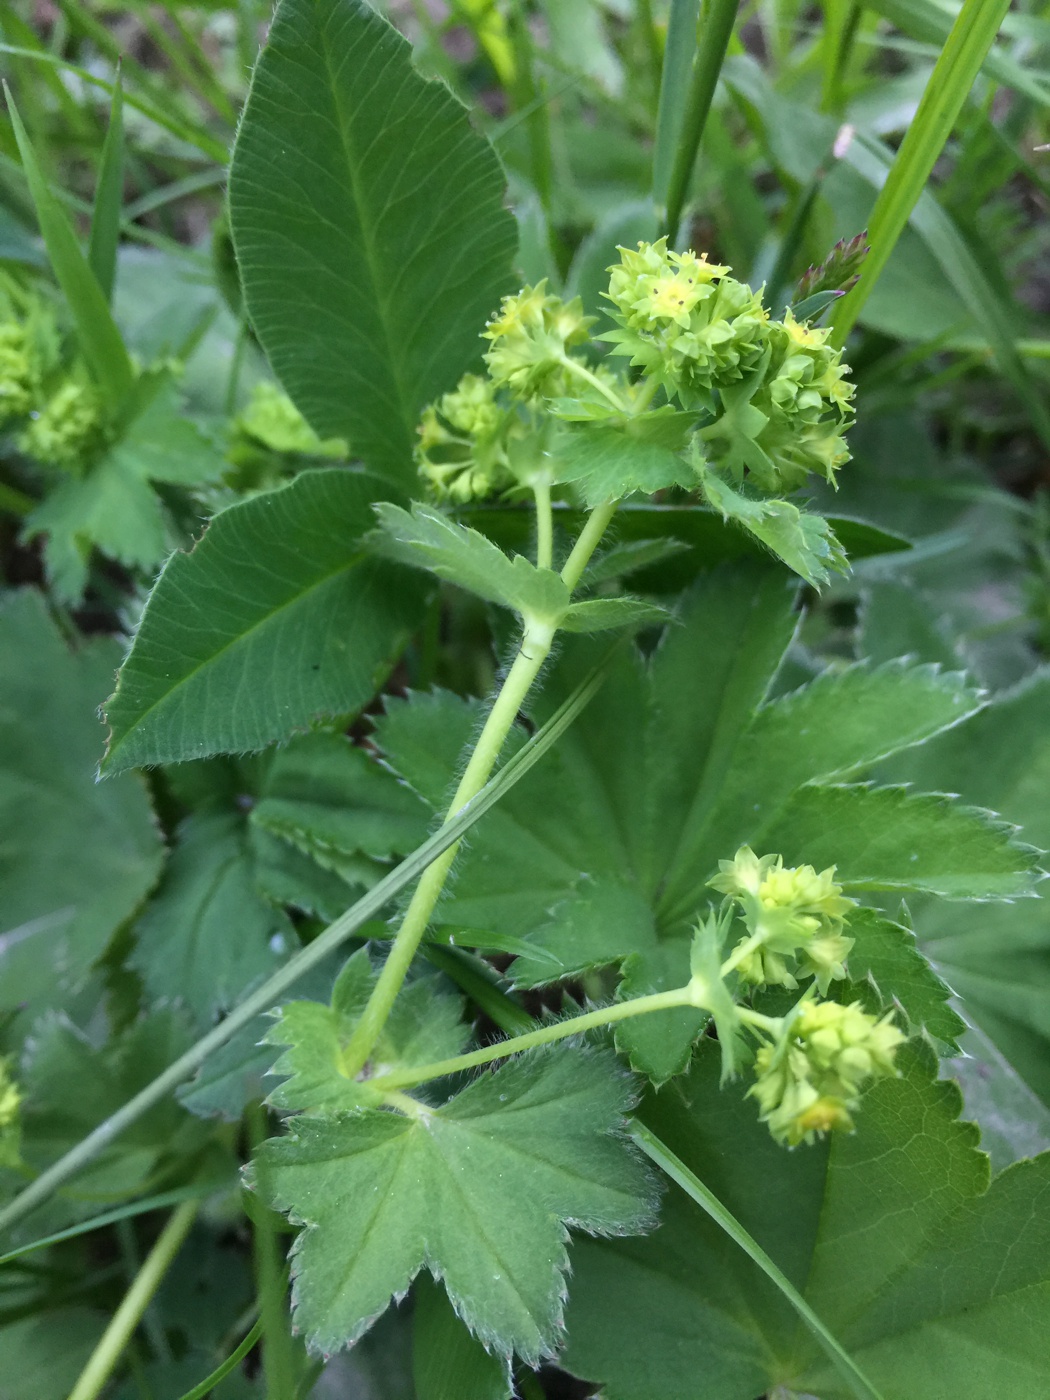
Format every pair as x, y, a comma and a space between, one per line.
111, 1345
544, 524
588, 376
210, 1382
590, 536
278, 1355
533, 652
715, 32
745, 950
771, 1024
705, 1198
576, 1025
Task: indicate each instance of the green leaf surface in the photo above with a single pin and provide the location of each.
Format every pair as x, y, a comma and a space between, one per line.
77, 858
109, 198
113, 508
42, 1355
608, 463
208, 934
425, 1025
426, 539
933, 1282
446, 1360
100, 340
602, 856
369, 225
479, 1190
330, 799
886, 961
276, 619
998, 958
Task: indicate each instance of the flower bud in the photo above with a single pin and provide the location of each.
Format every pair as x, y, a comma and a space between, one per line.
531, 337
461, 452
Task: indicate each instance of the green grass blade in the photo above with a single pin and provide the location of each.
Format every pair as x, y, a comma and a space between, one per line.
691, 1184
952, 78
674, 94
113, 1217
100, 341
109, 196
209, 1383
715, 31
333, 936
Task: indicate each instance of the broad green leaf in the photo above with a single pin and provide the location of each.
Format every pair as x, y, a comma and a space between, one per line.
77, 858
608, 462
109, 198
602, 855
599, 614
369, 225
114, 508
426, 539
43, 1354
997, 959
208, 933
446, 1360
479, 1190
291, 875
327, 796
425, 1025
933, 1282
100, 340
276, 619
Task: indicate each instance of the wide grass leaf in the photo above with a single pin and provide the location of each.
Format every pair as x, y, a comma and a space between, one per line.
277, 618
369, 225
479, 1190
77, 857
935, 1284
602, 856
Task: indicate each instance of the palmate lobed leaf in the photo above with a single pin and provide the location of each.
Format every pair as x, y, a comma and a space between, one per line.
277, 618
935, 1283
603, 855
77, 858
369, 225
479, 1190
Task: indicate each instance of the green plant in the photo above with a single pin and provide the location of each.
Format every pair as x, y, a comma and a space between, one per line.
420, 942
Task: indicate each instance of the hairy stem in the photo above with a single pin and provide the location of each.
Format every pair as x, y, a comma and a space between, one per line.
590, 536
544, 524
533, 652
104, 1358
588, 376
546, 1035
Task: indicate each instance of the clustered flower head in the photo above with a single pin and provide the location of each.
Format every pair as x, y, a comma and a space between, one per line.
685, 319
10, 1103
704, 335
811, 1076
531, 337
67, 430
462, 450
271, 418
16, 372
794, 918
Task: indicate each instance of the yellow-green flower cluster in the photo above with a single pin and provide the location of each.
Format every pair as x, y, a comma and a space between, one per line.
273, 420
794, 918
10, 1128
811, 1076
685, 320
462, 448
67, 430
807, 401
17, 380
531, 337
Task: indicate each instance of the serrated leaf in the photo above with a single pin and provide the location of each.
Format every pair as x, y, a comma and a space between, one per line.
608, 463
425, 1025
601, 856
806, 543
479, 1190
934, 1283
276, 619
113, 508
426, 539
369, 225
886, 957
286, 874
77, 858
446, 1359
599, 614
208, 934
332, 800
